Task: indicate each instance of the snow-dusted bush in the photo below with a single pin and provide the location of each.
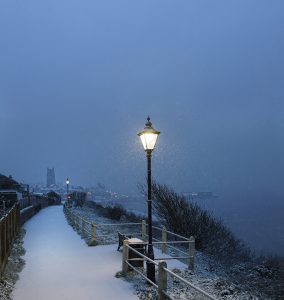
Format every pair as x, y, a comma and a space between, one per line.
114, 212
188, 219
78, 198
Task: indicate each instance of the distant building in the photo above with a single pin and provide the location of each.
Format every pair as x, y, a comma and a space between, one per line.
8, 183
10, 189
50, 177
53, 198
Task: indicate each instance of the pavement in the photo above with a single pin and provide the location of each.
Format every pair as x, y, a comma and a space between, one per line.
59, 264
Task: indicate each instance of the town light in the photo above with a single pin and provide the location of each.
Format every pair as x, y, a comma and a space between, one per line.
67, 189
149, 138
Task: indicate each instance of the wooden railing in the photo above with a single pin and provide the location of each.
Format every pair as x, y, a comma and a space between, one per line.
163, 274
168, 241
177, 246
96, 233
9, 227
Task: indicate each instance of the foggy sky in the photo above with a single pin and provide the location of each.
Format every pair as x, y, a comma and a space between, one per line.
79, 78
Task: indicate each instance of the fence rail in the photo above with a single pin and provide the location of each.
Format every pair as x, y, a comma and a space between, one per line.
84, 226
167, 239
96, 231
162, 270
9, 227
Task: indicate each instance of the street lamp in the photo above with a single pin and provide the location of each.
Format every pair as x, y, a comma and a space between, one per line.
148, 138
67, 188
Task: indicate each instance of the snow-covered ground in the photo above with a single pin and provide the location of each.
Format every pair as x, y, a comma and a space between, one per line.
59, 265
239, 282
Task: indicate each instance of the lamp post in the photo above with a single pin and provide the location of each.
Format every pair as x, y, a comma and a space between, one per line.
148, 138
67, 189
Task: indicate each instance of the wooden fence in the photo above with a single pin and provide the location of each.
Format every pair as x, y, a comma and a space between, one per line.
164, 239
162, 271
175, 245
9, 227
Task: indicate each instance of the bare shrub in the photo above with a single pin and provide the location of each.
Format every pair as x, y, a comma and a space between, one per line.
115, 212
78, 198
187, 218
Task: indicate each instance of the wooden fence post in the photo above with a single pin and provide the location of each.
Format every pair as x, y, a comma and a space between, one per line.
143, 230
162, 280
125, 254
164, 240
18, 218
1, 246
78, 223
191, 253
5, 237
93, 241
83, 228
9, 229
13, 222
73, 220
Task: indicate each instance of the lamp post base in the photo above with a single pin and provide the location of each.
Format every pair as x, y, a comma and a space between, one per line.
150, 266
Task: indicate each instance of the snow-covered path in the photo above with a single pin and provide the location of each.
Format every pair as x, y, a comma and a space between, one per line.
59, 265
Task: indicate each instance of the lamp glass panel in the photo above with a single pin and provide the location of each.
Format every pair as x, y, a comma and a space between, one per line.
149, 140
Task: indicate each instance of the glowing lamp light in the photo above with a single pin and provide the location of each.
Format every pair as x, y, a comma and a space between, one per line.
67, 181
149, 136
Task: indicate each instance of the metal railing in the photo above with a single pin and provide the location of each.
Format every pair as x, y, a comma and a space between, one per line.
9, 227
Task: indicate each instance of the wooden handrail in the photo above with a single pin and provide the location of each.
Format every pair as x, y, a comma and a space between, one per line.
9, 227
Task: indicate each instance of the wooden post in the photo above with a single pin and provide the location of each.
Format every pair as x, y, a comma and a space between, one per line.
83, 228
14, 220
93, 241
18, 218
74, 219
11, 226
125, 254
1, 247
78, 224
191, 253
94, 231
162, 280
9, 229
5, 237
143, 230
164, 240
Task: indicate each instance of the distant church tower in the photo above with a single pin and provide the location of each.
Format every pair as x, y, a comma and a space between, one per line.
50, 178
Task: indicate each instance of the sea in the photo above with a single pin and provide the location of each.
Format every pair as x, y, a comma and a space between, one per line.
259, 224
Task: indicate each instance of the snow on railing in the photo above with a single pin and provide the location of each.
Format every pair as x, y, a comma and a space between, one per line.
161, 269
90, 229
95, 232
